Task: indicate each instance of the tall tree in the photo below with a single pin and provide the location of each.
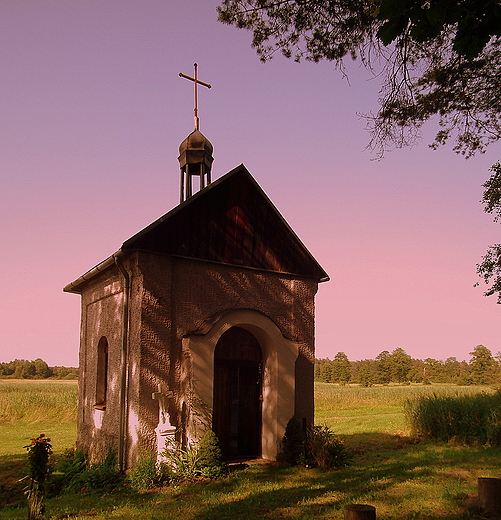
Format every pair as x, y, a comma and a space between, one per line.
325, 372
482, 365
366, 373
430, 368
383, 365
452, 369
400, 365
439, 58
341, 368
42, 370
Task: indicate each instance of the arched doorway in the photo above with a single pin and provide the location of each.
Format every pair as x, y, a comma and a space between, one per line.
237, 400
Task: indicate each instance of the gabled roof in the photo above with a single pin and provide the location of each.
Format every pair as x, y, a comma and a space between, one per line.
231, 221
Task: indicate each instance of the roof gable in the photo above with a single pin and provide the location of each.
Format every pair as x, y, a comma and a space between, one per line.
231, 221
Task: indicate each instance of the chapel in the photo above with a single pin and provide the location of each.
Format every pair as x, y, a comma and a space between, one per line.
204, 319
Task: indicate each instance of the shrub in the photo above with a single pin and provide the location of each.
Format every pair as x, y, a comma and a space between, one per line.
210, 458
325, 450
293, 443
317, 447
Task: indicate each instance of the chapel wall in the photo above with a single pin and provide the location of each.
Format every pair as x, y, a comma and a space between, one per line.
102, 301
183, 296
157, 352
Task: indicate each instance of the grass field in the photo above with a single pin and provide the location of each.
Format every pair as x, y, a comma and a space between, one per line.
31, 407
403, 479
351, 410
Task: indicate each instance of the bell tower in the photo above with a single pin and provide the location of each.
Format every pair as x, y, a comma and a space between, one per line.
195, 152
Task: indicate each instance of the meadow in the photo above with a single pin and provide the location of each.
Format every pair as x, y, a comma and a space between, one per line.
403, 478
29, 406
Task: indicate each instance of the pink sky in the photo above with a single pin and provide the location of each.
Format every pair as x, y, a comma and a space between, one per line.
93, 112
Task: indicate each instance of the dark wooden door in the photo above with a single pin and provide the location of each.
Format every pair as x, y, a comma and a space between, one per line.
237, 394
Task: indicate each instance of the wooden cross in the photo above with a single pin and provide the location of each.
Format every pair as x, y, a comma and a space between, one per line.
196, 82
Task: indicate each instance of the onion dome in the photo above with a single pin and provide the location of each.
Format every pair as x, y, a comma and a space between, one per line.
195, 150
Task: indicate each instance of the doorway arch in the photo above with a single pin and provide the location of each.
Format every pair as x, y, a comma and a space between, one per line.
237, 412
279, 356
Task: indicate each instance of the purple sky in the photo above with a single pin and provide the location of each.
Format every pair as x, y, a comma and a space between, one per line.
93, 111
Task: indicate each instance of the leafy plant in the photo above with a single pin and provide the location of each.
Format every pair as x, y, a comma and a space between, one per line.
325, 450
67, 469
147, 473
181, 464
192, 462
103, 475
39, 471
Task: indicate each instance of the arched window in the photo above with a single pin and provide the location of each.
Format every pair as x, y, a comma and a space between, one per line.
102, 374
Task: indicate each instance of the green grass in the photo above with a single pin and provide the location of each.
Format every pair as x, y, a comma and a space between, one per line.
379, 409
404, 480
421, 482
28, 408
16, 435
38, 401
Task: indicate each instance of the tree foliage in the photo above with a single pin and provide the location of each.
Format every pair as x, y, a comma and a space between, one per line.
434, 57
490, 268
383, 367
400, 364
340, 368
37, 369
400, 367
482, 365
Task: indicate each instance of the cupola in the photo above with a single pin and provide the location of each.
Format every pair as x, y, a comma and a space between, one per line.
195, 160
195, 152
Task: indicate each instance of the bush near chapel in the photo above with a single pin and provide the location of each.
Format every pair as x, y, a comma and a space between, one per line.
315, 447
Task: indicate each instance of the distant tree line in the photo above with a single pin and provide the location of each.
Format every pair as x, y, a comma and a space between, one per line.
398, 367
37, 369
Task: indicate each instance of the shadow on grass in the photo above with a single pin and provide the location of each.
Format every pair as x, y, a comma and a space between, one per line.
424, 481
414, 484
12, 468
359, 443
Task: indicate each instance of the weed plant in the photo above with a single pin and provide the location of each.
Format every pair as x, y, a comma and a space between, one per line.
349, 410
329, 397
469, 419
68, 470
193, 461
181, 463
147, 473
